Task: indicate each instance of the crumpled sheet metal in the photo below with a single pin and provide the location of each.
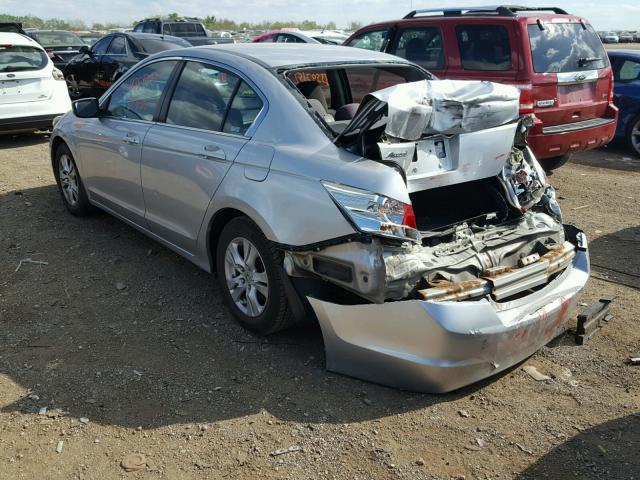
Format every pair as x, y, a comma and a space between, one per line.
447, 106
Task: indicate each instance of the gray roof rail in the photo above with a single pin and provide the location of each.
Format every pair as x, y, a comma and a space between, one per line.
500, 10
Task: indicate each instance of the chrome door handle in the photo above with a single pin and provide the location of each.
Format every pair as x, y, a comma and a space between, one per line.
131, 139
214, 151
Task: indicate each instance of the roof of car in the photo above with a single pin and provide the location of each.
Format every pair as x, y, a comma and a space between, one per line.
635, 54
276, 55
10, 38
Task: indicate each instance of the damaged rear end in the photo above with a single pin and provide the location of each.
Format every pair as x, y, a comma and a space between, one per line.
470, 275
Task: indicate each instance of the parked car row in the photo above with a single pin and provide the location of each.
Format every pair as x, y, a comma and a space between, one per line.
619, 37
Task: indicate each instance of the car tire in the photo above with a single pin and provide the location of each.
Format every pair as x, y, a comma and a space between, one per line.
69, 183
633, 136
250, 274
555, 162
72, 87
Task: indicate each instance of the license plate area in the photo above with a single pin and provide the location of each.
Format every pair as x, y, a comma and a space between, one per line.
433, 155
576, 93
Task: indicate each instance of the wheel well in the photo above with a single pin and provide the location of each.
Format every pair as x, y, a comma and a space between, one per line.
219, 221
54, 148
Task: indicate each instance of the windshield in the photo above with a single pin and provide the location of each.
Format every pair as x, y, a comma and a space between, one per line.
55, 39
154, 45
334, 94
566, 47
15, 58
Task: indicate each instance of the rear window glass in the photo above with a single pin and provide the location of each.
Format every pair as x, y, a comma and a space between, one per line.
185, 29
566, 47
17, 58
55, 39
484, 47
422, 46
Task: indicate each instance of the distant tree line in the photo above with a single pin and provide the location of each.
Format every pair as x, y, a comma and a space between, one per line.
210, 22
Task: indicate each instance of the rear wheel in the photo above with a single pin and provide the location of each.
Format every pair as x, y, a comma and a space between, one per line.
250, 276
72, 86
555, 162
633, 137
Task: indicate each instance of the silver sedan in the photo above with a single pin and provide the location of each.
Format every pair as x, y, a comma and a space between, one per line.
340, 185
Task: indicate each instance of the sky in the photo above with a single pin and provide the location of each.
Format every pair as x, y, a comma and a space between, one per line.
602, 14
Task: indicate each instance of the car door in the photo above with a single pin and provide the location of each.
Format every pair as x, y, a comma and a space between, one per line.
110, 146
112, 60
186, 156
81, 73
627, 86
422, 44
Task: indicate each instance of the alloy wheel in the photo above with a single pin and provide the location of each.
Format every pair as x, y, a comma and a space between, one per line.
635, 137
68, 179
246, 277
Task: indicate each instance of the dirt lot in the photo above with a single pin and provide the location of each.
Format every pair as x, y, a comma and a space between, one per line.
128, 348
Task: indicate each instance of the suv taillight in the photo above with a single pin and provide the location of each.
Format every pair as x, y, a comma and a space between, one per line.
611, 89
526, 97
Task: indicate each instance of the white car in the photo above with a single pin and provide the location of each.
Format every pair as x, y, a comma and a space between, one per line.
32, 91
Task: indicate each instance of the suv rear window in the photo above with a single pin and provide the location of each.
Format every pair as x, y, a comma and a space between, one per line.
184, 29
16, 58
566, 47
484, 47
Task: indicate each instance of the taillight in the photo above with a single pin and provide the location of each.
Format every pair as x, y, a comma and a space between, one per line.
526, 97
57, 74
610, 99
409, 218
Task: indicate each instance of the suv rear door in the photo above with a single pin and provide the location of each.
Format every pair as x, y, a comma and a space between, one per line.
571, 75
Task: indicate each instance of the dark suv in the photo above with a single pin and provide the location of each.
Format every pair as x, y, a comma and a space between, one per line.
555, 59
190, 29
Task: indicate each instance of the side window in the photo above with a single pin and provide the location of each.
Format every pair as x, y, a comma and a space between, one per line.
243, 112
422, 46
288, 38
202, 97
138, 97
100, 47
138, 28
167, 29
149, 27
118, 46
484, 47
374, 40
629, 71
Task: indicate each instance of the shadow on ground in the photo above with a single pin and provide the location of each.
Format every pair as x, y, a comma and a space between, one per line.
23, 140
121, 330
609, 450
615, 256
616, 156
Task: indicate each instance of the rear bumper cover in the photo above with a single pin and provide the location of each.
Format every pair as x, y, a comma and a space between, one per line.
561, 141
442, 346
39, 122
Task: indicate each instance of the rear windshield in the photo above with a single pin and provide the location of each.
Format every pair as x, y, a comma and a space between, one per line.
16, 58
335, 93
566, 47
55, 39
184, 29
156, 45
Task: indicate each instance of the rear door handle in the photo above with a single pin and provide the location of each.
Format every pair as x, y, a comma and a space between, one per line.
214, 152
131, 139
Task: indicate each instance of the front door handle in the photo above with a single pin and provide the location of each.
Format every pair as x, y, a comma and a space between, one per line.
214, 151
131, 139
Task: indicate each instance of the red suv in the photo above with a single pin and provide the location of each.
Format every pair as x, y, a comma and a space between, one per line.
555, 59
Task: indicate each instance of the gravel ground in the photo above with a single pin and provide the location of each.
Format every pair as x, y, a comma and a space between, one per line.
117, 346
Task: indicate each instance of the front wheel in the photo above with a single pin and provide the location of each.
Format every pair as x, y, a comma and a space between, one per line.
69, 183
555, 162
633, 137
250, 276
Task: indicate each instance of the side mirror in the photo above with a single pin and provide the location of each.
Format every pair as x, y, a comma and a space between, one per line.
86, 108
84, 50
